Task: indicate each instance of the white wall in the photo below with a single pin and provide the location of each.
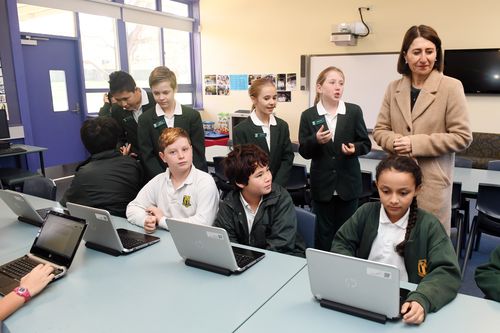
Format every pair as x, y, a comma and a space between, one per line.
245, 37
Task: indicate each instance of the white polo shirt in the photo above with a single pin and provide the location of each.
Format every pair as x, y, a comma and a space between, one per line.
144, 101
265, 128
388, 236
249, 213
169, 120
196, 200
331, 121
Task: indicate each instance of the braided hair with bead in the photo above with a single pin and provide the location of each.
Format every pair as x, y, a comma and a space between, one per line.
408, 165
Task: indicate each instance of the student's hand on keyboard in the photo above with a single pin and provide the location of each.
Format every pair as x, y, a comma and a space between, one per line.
37, 279
413, 313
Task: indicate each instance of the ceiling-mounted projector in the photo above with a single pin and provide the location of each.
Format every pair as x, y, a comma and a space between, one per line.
346, 34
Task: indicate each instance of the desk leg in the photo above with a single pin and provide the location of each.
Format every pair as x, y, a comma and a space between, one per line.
42, 164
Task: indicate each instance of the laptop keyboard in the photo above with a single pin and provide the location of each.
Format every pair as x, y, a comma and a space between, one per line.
242, 260
43, 212
20, 267
130, 243
12, 150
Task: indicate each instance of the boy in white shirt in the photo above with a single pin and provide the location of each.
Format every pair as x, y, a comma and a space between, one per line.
181, 192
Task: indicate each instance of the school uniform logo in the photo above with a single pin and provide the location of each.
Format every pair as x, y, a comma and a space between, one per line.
160, 123
128, 119
422, 267
186, 201
318, 121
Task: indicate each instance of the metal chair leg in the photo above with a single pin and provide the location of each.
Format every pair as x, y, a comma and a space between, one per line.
470, 243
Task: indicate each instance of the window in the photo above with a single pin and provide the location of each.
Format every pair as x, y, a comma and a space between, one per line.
177, 52
151, 4
99, 49
48, 21
59, 90
143, 48
174, 7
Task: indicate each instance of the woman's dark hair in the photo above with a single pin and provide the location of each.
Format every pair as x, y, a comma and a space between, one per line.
241, 163
414, 32
408, 165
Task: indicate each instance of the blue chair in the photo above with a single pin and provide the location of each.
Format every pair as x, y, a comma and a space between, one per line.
368, 189
463, 162
40, 187
220, 179
306, 225
494, 165
298, 185
488, 218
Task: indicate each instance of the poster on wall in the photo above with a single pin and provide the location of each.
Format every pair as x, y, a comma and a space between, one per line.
210, 85
3, 96
291, 81
238, 81
223, 85
281, 82
253, 77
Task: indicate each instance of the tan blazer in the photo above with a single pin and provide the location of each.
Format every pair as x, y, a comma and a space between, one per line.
438, 127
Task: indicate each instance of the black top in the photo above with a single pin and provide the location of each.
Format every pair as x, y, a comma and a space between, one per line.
281, 153
150, 128
331, 170
107, 180
126, 120
414, 95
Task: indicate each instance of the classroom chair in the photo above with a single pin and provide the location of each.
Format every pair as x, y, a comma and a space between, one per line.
494, 165
306, 225
368, 188
13, 178
457, 217
463, 162
220, 179
40, 187
488, 218
298, 185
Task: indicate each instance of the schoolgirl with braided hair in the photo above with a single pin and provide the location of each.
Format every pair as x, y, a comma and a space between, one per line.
395, 231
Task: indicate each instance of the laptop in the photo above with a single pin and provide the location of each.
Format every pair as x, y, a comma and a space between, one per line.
356, 286
209, 248
55, 244
102, 236
24, 210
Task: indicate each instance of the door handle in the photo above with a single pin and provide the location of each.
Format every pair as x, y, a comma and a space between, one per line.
77, 108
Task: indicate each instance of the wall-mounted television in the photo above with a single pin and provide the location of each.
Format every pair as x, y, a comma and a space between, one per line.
478, 69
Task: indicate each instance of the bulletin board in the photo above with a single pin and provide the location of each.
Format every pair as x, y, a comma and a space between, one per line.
366, 78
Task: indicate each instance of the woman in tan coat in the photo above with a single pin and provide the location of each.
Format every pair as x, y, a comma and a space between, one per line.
424, 115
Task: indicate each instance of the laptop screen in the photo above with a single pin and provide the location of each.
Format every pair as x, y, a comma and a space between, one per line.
59, 238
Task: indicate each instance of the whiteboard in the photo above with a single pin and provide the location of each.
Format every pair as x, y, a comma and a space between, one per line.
366, 79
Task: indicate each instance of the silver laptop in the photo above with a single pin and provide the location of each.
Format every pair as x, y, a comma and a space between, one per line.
55, 244
24, 210
360, 287
102, 236
209, 248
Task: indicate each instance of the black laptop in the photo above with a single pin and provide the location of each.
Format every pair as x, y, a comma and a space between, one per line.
55, 244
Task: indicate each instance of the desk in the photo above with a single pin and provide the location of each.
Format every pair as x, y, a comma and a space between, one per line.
29, 150
293, 309
147, 291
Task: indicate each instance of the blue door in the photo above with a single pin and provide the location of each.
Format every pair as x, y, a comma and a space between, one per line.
53, 83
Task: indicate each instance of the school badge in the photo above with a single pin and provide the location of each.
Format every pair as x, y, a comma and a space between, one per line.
186, 201
422, 267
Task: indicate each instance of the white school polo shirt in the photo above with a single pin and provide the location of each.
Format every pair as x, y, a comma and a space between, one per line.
388, 236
